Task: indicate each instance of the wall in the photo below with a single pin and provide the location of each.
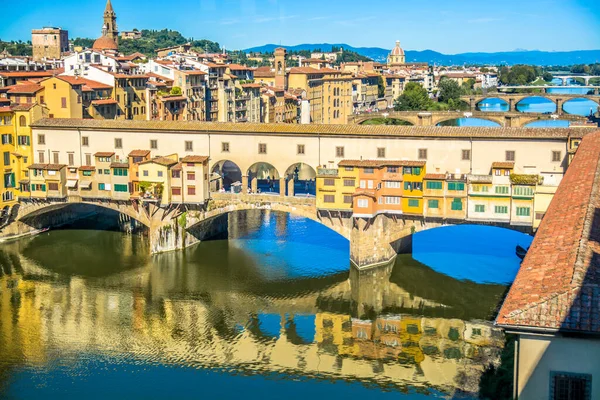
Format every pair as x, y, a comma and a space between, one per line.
539, 355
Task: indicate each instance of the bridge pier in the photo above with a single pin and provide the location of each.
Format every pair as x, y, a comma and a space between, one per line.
559, 106
472, 104
290, 186
244, 183
282, 186
512, 105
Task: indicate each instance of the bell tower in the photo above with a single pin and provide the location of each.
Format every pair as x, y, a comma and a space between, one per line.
280, 59
110, 23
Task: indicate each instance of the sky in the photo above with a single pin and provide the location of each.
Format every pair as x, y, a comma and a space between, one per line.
447, 26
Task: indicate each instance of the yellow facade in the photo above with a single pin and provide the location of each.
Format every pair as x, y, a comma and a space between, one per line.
412, 199
61, 99
335, 188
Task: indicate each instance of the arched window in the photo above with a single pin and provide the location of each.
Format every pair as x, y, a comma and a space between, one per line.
22, 121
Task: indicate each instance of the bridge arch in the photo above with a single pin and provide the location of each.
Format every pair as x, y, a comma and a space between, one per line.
580, 105
447, 121
543, 104
302, 178
263, 177
498, 103
229, 173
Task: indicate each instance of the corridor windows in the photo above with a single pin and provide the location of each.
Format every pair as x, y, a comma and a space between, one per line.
118, 143
154, 144
300, 149
565, 385
329, 198
556, 156
339, 151
422, 154
466, 155
88, 159
41, 157
85, 141
349, 182
510, 155
191, 176
41, 139
189, 146
347, 199
262, 148
224, 147
479, 208
71, 157
381, 152
55, 157
329, 182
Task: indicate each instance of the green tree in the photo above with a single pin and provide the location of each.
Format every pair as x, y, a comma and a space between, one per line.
176, 91
518, 74
449, 90
380, 87
414, 98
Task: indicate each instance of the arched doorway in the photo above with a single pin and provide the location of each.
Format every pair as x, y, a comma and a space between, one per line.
301, 180
224, 174
492, 104
263, 178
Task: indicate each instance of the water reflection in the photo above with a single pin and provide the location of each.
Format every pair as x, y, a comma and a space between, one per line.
212, 314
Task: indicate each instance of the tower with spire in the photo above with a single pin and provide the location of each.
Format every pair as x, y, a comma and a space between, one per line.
109, 28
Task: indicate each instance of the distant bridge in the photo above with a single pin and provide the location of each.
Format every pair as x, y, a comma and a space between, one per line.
544, 89
426, 118
565, 77
513, 99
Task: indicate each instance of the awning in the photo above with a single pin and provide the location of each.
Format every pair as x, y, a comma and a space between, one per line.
72, 183
85, 184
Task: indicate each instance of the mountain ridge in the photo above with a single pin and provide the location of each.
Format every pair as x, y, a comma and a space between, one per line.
519, 56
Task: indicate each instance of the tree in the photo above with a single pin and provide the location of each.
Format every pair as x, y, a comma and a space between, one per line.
414, 98
449, 90
547, 76
380, 87
518, 74
176, 91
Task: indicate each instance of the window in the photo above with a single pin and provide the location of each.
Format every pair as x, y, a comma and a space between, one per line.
191, 190
87, 173
413, 202
71, 158
145, 172
392, 200
63, 102
329, 182
381, 152
121, 188
41, 139
225, 147
523, 211
569, 386
262, 148
523, 191
501, 189
433, 203
392, 184
339, 151
23, 140
85, 141
7, 138
510, 155
348, 168
191, 176
88, 159
118, 143
556, 156
107, 172
501, 209
369, 170
160, 174
347, 199
456, 186
55, 157
329, 198
100, 171
362, 203
422, 154
189, 145
120, 171
7, 158
479, 208
41, 157
52, 185
176, 191
300, 149
466, 155
413, 186
369, 184
392, 170
154, 144
176, 173
349, 182
456, 205
434, 185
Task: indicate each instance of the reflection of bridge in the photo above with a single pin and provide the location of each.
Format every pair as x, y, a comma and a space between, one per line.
417, 118
513, 99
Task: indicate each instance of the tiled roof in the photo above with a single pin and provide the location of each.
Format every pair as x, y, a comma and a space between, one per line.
503, 164
73, 80
316, 129
435, 177
557, 287
27, 88
194, 159
48, 167
381, 163
164, 161
27, 74
104, 154
87, 168
104, 102
305, 70
119, 165
138, 153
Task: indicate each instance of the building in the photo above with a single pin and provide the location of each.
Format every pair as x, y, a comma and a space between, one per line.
552, 305
397, 56
109, 28
49, 43
131, 35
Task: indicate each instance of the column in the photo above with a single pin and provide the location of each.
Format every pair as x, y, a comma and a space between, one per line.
282, 186
254, 184
290, 187
472, 104
559, 106
245, 184
512, 105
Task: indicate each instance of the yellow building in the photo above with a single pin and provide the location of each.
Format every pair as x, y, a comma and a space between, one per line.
335, 188
62, 99
413, 173
130, 94
155, 178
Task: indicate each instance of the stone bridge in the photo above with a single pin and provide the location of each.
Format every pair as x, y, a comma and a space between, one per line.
373, 241
512, 99
426, 118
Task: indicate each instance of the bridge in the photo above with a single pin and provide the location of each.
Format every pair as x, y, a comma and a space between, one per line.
512, 99
565, 77
544, 89
433, 118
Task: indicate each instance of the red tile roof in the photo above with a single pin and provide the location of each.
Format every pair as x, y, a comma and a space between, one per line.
503, 164
48, 167
73, 80
87, 168
381, 163
104, 154
139, 153
435, 177
25, 88
104, 102
164, 161
119, 165
557, 287
194, 159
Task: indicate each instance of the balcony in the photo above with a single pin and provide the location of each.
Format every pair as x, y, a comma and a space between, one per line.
327, 172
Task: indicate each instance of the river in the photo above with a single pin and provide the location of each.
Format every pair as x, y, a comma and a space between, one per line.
275, 311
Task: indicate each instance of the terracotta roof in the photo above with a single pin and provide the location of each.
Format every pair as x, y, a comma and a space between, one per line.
173, 98
28, 74
87, 168
503, 164
364, 193
192, 72
557, 287
251, 85
26, 88
119, 165
264, 72
156, 76
104, 102
381, 163
305, 70
73, 80
105, 43
177, 167
22, 107
316, 129
47, 167
194, 159
104, 154
238, 67
435, 177
138, 153
164, 161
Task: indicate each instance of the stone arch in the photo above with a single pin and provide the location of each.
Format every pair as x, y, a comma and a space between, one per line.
582, 97
300, 179
495, 120
263, 177
224, 173
519, 100
478, 101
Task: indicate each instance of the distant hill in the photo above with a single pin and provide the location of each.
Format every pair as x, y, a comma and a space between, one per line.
533, 57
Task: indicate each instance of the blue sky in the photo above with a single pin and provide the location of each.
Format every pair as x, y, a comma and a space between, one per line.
448, 26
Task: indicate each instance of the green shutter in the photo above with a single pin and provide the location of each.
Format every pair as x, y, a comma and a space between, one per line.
413, 203
121, 188
433, 203
43, 187
456, 205
101, 186
460, 186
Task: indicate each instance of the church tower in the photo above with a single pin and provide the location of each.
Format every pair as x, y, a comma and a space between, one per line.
280, 59
109, 29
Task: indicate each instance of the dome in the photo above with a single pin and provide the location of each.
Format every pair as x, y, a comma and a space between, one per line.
105, 43
397, 51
